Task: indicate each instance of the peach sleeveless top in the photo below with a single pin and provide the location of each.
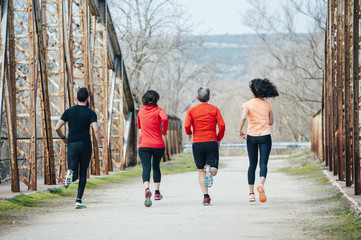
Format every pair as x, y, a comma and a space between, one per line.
258, 116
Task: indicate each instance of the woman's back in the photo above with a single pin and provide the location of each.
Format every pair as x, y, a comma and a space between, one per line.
258, 116
150, 120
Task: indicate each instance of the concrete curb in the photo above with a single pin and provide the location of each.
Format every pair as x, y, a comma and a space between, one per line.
354, 205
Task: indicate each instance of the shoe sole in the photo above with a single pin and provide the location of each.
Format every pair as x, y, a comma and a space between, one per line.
80, 207
66, 179
148, 201
158, 199
206, 204
262, 195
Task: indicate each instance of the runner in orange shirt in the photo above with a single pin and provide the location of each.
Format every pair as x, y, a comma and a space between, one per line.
260, 117
204, 118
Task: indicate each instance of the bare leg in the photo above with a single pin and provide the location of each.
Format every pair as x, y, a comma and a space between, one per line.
214, 171
262, 180
201, 177
157, 185
251, 188
146, 184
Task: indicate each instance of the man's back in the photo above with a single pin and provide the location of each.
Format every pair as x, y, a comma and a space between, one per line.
204, 118
79, 119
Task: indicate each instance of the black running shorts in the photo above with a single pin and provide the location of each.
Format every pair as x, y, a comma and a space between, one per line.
206, 153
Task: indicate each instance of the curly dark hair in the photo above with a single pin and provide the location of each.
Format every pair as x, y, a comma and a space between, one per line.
263, 88
151, 97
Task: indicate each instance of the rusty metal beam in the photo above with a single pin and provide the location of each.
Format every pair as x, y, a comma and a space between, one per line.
49, 176
348, 101
356, 108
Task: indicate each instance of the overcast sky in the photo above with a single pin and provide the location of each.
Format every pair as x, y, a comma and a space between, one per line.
224, 16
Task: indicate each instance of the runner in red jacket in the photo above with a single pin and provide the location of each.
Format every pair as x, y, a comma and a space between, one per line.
204, 118
153, 122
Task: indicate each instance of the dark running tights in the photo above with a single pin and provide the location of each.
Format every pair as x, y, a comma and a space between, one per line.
146, 155
79, 154
264, 144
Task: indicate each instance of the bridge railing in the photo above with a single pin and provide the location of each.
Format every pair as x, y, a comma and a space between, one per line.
239, 145
49, 49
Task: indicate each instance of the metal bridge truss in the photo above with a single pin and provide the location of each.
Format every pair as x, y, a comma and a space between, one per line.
341, 93
50, 48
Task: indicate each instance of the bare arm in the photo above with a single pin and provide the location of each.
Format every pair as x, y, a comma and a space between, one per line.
271, 118
98, 136
243, 122
58, 130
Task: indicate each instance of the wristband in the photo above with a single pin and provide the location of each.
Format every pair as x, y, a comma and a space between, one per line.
100, 146
63, 137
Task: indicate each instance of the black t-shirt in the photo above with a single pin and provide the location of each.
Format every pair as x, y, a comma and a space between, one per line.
79, 119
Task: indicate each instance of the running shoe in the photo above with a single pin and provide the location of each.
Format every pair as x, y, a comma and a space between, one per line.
262, 194
79, 205
252, 197
68, 179
209, 178
148, 195
206, 201
158, 197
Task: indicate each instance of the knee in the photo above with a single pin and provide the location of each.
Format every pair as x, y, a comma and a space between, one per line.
252, 167
214, 171
156, 167
263, 166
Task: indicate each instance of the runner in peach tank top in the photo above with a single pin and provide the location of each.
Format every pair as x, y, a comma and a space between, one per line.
258, 116
258, 111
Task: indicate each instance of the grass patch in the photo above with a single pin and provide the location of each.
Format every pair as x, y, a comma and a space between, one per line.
299, 155
342, 222
10, 209
307, 165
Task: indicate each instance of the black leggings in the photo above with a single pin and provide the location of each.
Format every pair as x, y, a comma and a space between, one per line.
264, 144
79, 153
145, 155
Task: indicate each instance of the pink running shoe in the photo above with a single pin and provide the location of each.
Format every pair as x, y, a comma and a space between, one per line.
158, 197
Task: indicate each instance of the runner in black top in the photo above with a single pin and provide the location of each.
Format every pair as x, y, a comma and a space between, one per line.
79, 118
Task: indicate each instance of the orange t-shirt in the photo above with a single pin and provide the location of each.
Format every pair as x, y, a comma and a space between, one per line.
258, 116
204, 119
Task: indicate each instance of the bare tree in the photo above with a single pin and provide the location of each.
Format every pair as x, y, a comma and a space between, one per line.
148, 30
294, 61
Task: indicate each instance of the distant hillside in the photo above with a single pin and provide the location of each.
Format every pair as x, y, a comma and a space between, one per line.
230, 52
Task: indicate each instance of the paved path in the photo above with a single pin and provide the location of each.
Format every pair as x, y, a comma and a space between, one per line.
117, 211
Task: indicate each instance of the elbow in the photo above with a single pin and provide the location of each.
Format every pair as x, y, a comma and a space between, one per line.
96, 131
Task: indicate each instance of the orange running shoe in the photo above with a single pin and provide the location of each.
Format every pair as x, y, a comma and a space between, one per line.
262, 195
252, 197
